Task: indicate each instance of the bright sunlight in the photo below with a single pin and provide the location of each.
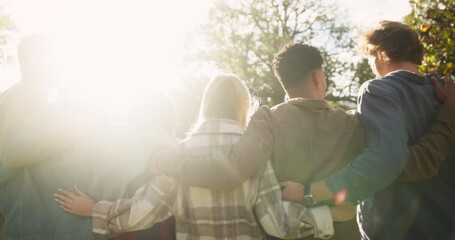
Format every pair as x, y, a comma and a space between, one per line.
110, 53
113, 51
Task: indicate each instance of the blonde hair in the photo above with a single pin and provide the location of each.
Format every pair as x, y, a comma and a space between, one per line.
227, 97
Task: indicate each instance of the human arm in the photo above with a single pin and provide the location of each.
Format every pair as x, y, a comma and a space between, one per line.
424, 159
288, 220
38, 138
77, 203
149, 205
341, 211
386, 152
225, 167
431, 150
292, 220
30, 146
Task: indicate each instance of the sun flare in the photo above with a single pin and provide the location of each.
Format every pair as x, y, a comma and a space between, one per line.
112, 52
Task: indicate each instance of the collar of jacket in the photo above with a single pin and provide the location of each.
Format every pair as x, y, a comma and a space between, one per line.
220, 126
311, 103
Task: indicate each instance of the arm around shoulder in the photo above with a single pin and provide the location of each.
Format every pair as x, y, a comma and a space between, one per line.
386, 152
224, 167
430, 152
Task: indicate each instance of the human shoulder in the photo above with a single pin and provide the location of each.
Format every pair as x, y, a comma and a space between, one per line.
285, 106
386, 87
376, 83
11, 91
297, 105
263, 113
300, 105
393, 82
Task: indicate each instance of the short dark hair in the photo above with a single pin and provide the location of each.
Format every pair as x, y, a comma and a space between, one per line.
294, 62
397, 40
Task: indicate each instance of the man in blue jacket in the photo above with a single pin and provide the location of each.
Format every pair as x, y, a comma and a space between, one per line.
395, 110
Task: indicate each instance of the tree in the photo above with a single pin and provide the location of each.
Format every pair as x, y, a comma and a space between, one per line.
243, 37
7, 34
435, 23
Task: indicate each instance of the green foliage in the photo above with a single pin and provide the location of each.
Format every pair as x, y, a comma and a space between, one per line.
243, 37
435, 23
7, 34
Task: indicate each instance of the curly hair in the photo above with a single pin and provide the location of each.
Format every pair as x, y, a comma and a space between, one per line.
294, 62
396, 40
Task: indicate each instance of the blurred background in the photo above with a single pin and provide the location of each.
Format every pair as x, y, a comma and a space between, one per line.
111, 53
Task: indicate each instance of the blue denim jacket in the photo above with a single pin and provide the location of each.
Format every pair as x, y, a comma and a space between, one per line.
395, 111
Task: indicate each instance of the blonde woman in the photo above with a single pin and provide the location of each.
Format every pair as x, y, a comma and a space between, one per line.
241, 213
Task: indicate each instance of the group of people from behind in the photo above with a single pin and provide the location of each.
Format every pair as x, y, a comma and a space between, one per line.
293, 171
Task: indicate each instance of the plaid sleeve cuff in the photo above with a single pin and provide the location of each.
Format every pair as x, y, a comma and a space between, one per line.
100, 224
324, 222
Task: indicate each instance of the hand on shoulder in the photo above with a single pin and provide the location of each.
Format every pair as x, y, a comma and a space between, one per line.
446, 92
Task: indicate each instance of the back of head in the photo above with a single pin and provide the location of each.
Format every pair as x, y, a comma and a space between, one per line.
396, 40
295, 62
36, 58
227, 97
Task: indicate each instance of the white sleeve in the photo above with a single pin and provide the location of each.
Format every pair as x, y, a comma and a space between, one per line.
324, 222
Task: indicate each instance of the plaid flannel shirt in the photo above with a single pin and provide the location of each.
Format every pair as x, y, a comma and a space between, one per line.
241, 213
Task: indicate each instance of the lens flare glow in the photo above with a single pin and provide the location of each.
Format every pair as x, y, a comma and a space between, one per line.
110, 52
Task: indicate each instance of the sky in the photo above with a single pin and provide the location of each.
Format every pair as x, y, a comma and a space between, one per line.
137, 43
141, 40
364, 13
